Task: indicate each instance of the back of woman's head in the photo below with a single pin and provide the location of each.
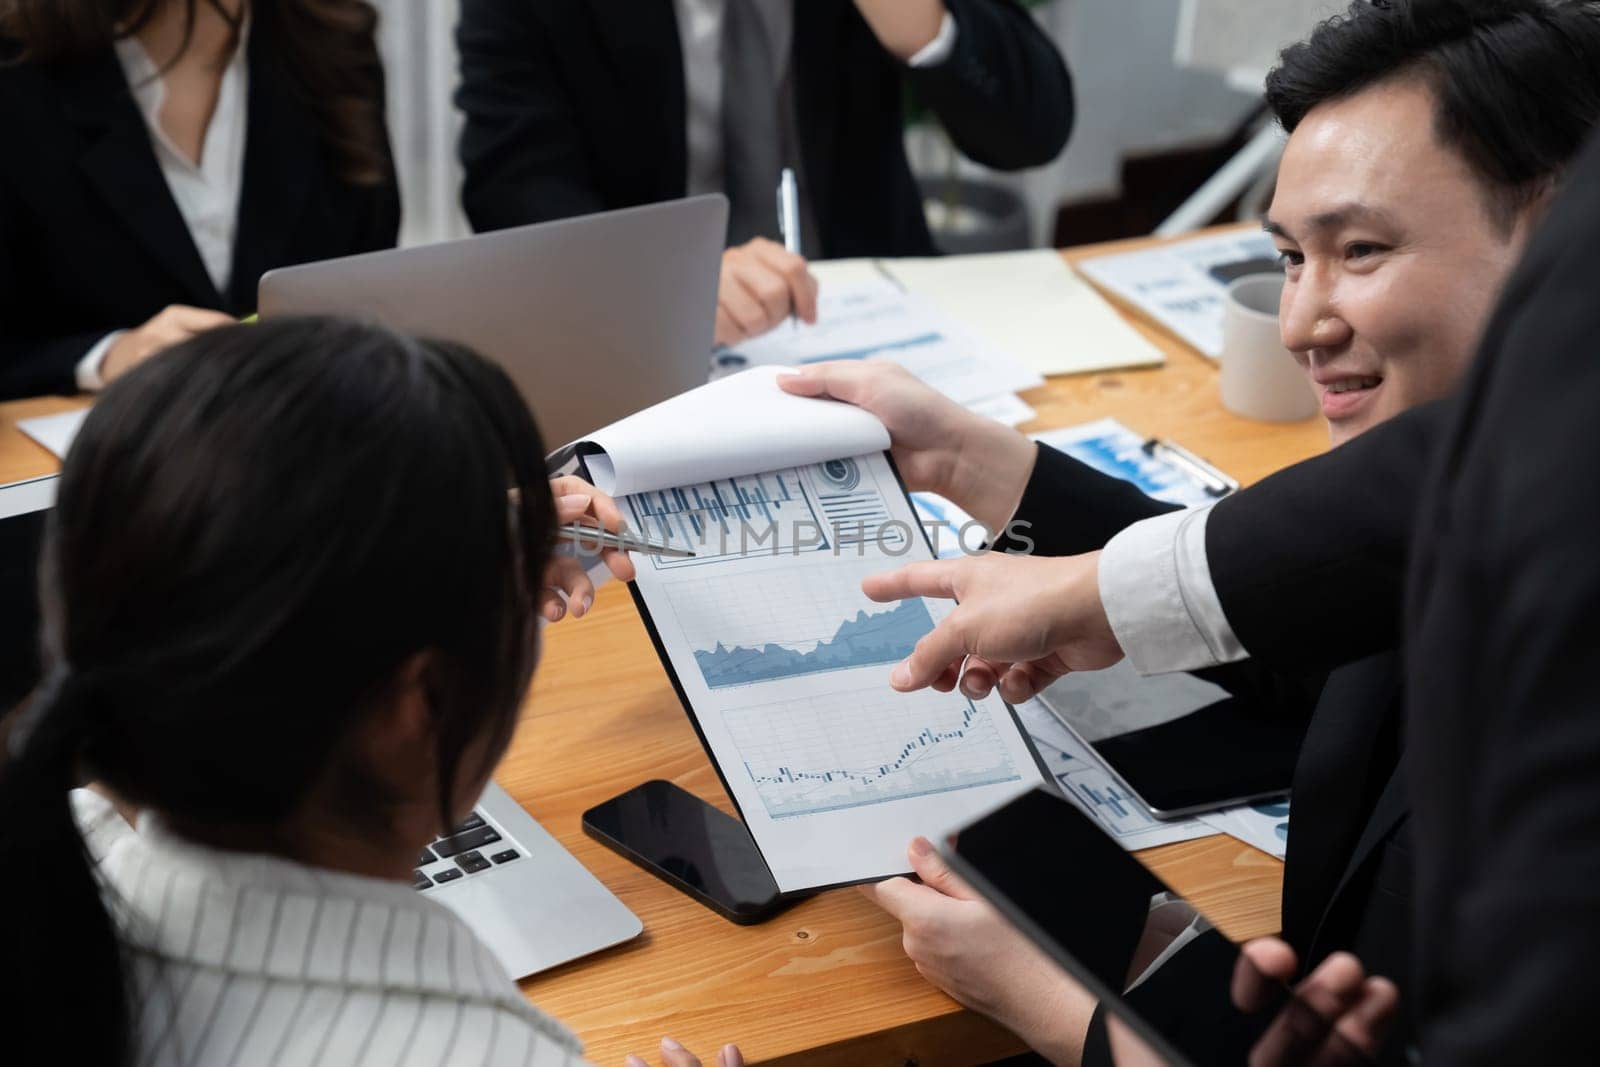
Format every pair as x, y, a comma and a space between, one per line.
253, 534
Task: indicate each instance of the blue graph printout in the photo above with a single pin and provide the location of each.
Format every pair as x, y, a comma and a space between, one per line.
886, 636
785, 662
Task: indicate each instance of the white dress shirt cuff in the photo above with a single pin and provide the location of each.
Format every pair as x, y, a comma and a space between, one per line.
88, 373
939, 49
1155, 584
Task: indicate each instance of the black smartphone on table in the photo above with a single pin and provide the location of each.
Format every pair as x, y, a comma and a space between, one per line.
692, 846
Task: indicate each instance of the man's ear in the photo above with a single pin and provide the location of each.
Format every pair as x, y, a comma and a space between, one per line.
1532, 215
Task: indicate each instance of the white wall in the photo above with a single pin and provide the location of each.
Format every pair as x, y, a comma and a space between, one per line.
1131, 99
417, 39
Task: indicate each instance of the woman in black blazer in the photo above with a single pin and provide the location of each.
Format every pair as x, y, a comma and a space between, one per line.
162, 155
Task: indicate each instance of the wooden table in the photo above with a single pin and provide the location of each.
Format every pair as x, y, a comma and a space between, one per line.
826, 982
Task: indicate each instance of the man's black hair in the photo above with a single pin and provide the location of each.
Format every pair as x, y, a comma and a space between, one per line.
1516, 83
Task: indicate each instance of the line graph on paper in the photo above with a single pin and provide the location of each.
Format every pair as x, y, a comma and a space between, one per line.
847, 750
759, 627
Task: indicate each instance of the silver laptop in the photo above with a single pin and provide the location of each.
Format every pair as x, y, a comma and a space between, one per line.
594, 318
524, 895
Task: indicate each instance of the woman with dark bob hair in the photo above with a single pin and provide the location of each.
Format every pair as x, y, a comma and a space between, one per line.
291, 593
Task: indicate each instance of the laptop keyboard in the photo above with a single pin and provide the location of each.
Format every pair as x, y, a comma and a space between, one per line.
471, 848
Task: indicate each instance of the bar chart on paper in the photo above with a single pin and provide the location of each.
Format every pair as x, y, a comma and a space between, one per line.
722, 519
833, 751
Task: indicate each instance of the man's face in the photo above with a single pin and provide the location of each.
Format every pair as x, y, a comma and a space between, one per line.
1392, 256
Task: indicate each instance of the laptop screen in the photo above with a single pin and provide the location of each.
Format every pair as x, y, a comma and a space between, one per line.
23, 509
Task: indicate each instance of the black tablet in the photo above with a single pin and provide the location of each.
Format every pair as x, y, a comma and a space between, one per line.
1181, 744
1106, 920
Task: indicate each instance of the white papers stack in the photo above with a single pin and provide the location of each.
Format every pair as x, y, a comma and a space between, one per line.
55, 432
1030, 305
1182, 285
875, 319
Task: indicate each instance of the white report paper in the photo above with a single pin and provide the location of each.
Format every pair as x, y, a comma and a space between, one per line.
785, 664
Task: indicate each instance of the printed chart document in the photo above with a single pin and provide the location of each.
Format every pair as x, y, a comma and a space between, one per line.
1182, 285
780, 659
874, 318
1092, 789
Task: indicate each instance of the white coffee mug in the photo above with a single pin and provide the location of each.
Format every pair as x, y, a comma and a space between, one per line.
1260, 378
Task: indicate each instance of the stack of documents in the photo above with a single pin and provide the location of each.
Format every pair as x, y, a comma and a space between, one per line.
1029, 305
55, 432
873, 318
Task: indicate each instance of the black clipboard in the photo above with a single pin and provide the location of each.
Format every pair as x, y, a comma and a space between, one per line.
574, 460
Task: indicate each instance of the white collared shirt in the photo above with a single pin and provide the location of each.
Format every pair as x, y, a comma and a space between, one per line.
252, 959
207, 193
1156, 588
700, 31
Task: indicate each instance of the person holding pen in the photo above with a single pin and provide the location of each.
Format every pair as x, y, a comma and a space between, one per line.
163, 155
574, 107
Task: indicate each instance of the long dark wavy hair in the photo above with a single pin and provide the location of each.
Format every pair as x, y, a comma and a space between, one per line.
254, 534
327, 47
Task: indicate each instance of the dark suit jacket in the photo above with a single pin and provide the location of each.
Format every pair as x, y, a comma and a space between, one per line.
91, 240
1501, 623
577, 106
1347, 876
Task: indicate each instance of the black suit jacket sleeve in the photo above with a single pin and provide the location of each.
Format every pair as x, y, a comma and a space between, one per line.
1004, 95
1309, 564
1503, 622
1069, 508
32, 366
521, 148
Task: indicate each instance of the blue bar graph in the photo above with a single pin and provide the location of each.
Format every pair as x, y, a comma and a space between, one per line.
731, 517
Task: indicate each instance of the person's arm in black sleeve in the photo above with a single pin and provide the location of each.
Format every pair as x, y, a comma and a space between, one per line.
1309, 564
31, 366
1503, 624
41, 367
1069, 507
382, 230
1004, 94
520, 145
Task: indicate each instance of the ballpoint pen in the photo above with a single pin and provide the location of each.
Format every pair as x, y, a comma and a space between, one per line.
789, 216
593, 538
